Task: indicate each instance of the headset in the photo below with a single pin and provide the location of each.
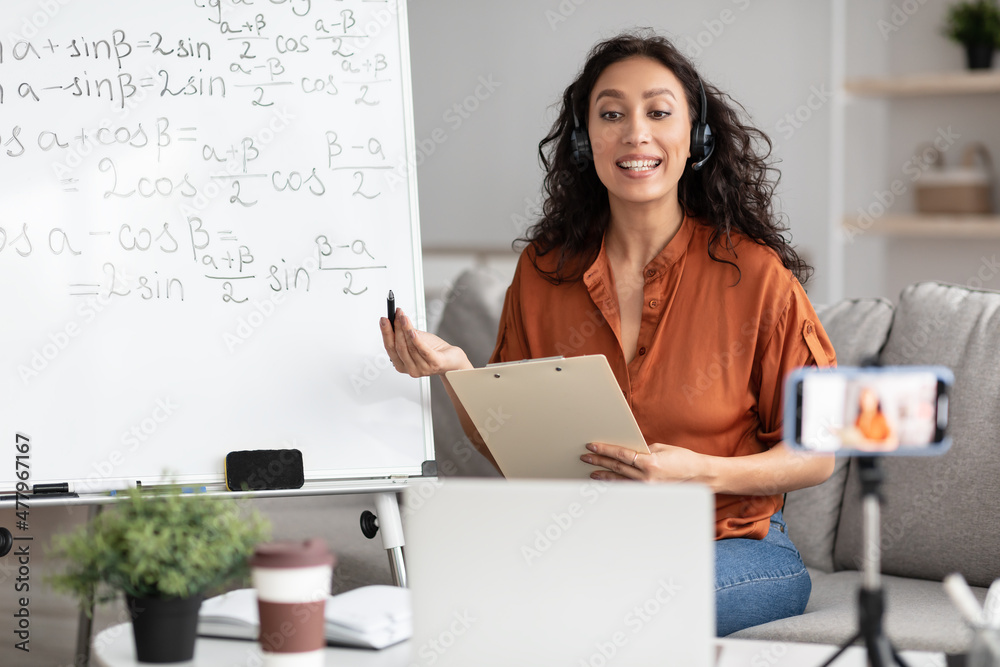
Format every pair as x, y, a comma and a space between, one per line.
702, 140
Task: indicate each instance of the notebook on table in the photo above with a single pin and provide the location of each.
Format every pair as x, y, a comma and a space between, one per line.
367, 617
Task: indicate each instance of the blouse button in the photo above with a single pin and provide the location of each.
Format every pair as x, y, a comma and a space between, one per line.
642, 351
652, 304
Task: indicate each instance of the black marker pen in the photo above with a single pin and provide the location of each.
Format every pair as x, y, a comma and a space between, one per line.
390, 304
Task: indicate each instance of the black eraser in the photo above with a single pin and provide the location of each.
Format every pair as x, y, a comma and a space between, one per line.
43, 489
264, 469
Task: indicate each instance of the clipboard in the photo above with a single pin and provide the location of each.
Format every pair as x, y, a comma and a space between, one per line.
537, 416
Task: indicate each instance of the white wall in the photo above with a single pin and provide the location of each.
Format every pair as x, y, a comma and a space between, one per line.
479, 178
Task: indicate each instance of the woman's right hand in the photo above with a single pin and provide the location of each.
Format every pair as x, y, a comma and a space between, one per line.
418, 353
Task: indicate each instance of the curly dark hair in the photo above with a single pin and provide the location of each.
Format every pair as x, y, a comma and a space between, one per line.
733, 190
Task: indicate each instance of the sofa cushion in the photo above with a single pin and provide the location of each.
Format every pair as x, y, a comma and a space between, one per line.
470, 320
857, 328
919, 615
940, 512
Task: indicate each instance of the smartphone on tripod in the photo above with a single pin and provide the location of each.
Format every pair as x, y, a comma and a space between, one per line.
869, 411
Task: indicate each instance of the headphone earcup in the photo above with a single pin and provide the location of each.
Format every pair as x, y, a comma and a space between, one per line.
580, 143
702, 144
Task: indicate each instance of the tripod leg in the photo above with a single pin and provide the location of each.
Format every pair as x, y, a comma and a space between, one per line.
840, 650
880, 652
899, 660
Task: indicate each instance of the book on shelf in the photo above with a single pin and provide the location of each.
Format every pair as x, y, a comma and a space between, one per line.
366, 617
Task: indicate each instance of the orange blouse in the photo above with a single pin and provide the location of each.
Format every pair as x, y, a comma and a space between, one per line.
873, 427
714, 347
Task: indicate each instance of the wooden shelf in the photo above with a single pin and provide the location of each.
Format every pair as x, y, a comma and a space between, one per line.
943, 83
970, 227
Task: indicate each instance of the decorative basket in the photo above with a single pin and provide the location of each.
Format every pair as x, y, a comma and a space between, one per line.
963, 190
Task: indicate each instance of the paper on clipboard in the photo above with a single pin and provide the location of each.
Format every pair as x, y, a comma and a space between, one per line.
537, 416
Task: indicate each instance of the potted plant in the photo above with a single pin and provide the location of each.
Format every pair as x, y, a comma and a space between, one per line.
976, 25
165, 550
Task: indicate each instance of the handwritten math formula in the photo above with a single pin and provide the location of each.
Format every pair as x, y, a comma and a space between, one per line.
205, 151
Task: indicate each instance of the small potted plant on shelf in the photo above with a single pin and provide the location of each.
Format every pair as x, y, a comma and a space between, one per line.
976, 25
166, 551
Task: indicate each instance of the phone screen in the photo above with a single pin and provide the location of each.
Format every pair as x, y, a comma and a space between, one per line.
871, 411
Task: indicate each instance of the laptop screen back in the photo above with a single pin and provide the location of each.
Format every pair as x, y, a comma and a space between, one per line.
584, 574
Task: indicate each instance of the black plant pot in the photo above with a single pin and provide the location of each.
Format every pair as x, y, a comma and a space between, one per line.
979, 56
164, 628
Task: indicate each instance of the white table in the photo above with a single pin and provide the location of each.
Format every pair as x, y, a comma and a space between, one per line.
114, 648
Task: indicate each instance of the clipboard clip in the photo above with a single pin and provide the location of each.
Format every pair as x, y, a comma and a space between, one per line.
524, 361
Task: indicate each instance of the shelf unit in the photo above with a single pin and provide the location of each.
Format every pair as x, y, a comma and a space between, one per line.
923, 85
870, 117
971, 227
936, 84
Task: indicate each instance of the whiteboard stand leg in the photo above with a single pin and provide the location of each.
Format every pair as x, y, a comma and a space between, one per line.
85, 623
391, 527
84, 628
397, 566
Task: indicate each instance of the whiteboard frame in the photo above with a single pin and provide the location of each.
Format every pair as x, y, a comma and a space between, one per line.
416, 246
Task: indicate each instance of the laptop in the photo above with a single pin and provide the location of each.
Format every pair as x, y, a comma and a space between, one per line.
560, 572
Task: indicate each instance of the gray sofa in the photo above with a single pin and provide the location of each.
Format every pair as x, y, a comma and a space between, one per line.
939, 514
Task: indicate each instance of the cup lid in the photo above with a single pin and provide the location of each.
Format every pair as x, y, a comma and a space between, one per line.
307, 553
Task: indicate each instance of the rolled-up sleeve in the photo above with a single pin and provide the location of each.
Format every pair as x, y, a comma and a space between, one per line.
798, 340
511, 342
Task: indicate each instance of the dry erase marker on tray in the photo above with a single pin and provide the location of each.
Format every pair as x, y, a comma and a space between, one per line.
103, 486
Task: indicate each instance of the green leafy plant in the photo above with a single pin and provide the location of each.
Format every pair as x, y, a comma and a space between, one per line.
975, 22
159, 543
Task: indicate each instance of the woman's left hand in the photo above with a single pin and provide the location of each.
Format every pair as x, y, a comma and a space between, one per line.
664, 463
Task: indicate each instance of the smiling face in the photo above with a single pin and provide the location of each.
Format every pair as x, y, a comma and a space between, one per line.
640, 132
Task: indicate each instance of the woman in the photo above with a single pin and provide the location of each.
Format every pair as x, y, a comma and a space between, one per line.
871, 426
682, 278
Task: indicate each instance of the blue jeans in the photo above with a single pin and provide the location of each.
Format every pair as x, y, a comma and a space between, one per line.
757, 581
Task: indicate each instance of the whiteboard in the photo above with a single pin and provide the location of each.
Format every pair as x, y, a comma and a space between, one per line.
205, 205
